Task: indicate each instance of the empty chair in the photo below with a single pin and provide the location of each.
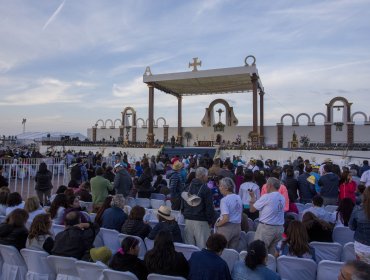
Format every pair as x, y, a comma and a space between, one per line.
64, 267
158, 196
14, 267
88, 270
154, 276
130, 201
327, 270
186, 249
156, 203
38, 265
292, 268
110, 239
230, 256
143, 202
271, 262
149, 243
169, 204
57, 228
142, 246
348, 252
110, 274
331, 208
250, 237
343, 235
327, 251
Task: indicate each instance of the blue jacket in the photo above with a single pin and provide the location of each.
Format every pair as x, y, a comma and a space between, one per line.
306, 189
329, 184
114, 218
360, 224
262, 272
176, 184
207, 265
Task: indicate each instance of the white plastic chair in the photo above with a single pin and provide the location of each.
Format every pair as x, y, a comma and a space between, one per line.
130, 201
242, 255
301, 207
271, 262
118, 275
158, 196
92, 217
143, 202
154, 276
87, 205
142, 246
88, 270
149, 244
308, 205
331, 208
2, 219
186, 249
14, 267
38, 265
156, 203
110, 239
127, 209
292, 268
64, 267
57, 228
230, 256
169, 204
343, 235
250, 236
327, 270
348, 253
251, 225
327, 251
292, 214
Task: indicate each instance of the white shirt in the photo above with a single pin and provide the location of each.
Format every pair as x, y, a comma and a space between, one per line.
33, 214
10, 209
271, 207
232, 205
321, 213
244, 194
366, 178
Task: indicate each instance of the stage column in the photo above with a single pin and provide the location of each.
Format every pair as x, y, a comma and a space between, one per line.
328, 132
262, 127
94, 129
350, 133
254, 134
150, 135
179, 119
280, 135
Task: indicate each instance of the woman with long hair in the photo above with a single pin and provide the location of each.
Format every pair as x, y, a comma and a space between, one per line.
360, 223
347, 187
144, 183
33, 207
296, 242
99, 214
40, 238
14, 232
163, 259
57, 208
44, 185
135, 225
344, 211
126, 259
254, 264
317, 229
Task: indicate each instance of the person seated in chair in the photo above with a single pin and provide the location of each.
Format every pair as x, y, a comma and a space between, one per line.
77, 239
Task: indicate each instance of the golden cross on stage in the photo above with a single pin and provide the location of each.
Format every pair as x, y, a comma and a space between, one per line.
195, 64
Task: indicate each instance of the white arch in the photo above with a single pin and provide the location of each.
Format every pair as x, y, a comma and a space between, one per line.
163, 119
142, 120
117, 120
303, 114
99, 120
108, 120
287, 115
318, 114
359, 113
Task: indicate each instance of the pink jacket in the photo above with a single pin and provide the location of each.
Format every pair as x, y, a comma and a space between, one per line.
283, 191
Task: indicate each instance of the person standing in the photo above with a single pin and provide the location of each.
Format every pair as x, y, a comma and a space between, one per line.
329, 184
43, 183
271, 206
99, 188
231, 213
122, 180
176, 185
247, 186
198, 209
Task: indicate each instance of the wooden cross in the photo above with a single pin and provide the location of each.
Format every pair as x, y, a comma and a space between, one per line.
219, 111
195, 64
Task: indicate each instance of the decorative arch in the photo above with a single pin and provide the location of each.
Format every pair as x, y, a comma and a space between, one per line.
117, 120
108, 120
359, 113
346, 109
124, 113
141, 120
163, 119
318, 114
99, 120
208, 119
303, 114
287, 115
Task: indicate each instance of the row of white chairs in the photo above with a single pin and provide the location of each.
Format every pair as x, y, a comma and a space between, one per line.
329, 208
147, 203
39, 265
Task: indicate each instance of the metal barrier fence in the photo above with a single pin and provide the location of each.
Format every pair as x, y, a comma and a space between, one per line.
48, 160
21, 177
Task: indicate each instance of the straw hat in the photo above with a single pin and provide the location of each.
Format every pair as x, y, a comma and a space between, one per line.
177, 165
165, 213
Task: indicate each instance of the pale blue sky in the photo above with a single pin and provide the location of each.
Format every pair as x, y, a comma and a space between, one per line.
65, 64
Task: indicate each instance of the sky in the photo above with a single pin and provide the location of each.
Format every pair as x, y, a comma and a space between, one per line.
64, 64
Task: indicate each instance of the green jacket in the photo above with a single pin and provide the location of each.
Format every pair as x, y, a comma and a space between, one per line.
99, 189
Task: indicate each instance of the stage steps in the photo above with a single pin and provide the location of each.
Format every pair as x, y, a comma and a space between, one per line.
185, 151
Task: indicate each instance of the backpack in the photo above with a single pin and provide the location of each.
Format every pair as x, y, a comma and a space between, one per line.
76, 172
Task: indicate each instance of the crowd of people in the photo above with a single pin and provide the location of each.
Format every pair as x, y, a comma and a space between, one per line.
216, 197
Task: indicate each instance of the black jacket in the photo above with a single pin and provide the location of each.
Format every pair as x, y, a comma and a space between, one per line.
204, 211
129, 263
306, 189
3, 181
176, 266
172, 227
75, 242
13, 236
292, 187
43, 181
136, 227
123, 182
329, 184
144, 185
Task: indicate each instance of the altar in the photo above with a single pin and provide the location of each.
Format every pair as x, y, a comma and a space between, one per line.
205, 143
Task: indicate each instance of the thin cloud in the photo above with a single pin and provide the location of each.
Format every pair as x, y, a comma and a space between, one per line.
54, 15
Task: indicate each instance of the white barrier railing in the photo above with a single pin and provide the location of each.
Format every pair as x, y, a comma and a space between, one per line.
21, 177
